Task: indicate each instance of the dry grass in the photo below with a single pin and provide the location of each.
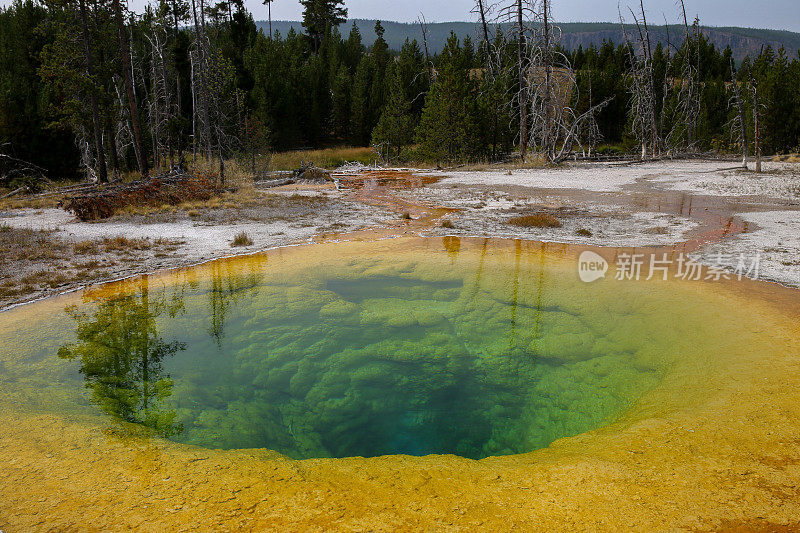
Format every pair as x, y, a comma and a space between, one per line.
25, 244
326, 158
447, 223
240, 172
242, 239
245, 203
532, 162
787, 158
26, 202
657, 230
85, 248
539, 220
23, 201
583, 232
37, 262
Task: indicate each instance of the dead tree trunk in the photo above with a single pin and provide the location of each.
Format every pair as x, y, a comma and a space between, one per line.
200, 93
642, 104
741, 118
523, 83
423, 25
548, 88
97, 130
654, 144
112, 146
178, 97
484, 24
756, 127
125, 54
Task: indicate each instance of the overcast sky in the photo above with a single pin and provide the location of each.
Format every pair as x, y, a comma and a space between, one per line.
775, 14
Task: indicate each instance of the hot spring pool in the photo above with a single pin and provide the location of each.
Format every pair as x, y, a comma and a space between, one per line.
353, 385
430, 347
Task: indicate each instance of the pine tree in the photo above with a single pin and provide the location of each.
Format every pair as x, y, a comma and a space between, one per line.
25, 132
360, 109
340, 102
411, 69
353, 49
395, 128
319, 16
448, 128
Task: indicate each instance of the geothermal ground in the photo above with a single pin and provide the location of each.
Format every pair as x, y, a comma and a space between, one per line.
712, 447
704, 208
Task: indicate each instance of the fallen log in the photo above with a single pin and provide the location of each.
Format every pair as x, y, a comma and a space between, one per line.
268, 184
14, 192
313, 174
169, 189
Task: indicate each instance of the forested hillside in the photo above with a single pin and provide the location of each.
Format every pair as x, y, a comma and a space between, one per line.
743, 41
87, 88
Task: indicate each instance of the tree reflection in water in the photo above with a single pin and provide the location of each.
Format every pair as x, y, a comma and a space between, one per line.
121, 356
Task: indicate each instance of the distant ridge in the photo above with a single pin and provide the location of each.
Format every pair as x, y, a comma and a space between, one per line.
743, 41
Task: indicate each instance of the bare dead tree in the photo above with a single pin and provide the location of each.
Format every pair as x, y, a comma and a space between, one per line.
683, 134
423, 26
219, 104
756, 124
127, 74
199, 61
642, 108
161, 104
481, 9
739, 121
102, 171
494, 89
123, 134
546, 83
522, 66
519, 16
593, 134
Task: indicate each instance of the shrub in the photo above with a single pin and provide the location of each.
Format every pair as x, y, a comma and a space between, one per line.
539, 220
242, 239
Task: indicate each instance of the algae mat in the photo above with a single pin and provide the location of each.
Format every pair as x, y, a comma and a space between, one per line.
402, 384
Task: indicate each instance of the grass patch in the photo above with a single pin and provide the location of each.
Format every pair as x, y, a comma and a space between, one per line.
658, 230
241, 239
26, 244
447, 223
539, 220
325, 158
85, 248
583, 232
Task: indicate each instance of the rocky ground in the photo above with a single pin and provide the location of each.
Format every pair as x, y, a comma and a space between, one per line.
703, 207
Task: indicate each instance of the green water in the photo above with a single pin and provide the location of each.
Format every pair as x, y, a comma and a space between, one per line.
441, 349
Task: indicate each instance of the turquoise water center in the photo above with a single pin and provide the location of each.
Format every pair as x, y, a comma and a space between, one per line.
417, 346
